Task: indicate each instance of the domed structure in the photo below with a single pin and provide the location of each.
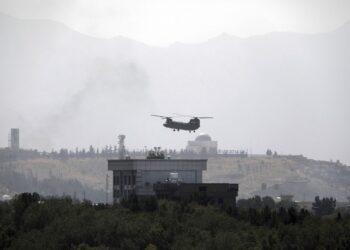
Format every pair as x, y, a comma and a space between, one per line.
203, 137
203, 144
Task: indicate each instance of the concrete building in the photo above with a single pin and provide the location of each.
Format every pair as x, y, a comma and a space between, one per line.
138, 175
14, 139
203, 144
215, 193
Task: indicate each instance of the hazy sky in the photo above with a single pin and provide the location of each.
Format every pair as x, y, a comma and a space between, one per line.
162, 22
289, 92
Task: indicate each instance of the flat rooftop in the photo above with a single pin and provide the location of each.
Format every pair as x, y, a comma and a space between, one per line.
160, 164
128, 160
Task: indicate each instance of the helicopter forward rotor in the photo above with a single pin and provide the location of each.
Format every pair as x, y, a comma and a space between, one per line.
163, 117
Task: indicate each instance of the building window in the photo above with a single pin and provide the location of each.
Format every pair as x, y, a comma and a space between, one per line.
133, 180
129, 180
125, 179
117, 180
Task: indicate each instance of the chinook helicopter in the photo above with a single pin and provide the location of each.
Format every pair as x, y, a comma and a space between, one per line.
190, 126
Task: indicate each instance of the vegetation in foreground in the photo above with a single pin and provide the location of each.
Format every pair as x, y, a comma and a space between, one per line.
31, 222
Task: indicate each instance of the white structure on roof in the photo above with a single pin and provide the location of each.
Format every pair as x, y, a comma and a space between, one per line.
5, 197
202, 144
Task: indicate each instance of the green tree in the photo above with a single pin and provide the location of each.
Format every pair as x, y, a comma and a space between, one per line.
21, 202
324, 206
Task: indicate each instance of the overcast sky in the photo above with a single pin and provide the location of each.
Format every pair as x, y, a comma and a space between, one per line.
163, 22
288, 92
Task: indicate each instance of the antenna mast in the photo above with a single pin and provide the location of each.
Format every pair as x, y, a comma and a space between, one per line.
121, 147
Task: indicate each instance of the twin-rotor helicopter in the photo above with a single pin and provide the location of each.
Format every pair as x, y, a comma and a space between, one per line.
192, 125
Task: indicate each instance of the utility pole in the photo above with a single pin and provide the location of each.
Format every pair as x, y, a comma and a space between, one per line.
107, 189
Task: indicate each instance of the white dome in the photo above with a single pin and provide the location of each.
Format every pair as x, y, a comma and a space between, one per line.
203, 137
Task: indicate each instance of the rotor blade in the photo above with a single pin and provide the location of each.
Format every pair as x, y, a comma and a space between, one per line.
161, 116
184, 115
199, 117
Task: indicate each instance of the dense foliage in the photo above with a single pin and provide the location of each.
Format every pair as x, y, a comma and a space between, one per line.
324, 206
31, 222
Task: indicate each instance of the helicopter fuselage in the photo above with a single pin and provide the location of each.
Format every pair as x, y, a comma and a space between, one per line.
192, 125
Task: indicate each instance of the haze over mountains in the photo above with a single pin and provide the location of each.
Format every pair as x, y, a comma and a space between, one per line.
289, 92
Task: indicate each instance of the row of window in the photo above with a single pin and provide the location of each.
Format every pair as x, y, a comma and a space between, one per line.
124, 180
125, 193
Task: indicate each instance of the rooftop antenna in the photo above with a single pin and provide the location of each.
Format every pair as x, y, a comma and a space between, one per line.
121, 147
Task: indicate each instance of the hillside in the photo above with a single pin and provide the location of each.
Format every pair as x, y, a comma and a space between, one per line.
296, 175
283, 175
76, 177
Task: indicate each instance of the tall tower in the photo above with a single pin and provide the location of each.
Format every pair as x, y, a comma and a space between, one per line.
121, 146
14, 139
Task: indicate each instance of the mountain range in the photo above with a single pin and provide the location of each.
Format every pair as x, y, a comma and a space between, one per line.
285, 91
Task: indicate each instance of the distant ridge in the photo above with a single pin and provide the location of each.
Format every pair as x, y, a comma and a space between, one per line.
284, 89
223, 36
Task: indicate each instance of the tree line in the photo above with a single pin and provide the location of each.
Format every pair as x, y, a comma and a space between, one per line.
33, 222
